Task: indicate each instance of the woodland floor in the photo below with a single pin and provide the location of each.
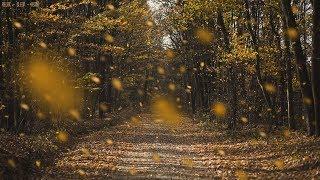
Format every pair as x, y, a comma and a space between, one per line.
151, 151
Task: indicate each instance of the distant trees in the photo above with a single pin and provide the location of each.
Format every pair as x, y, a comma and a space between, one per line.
108, 45
270, 33
301, 62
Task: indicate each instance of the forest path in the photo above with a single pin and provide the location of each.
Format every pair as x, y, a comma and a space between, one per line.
151, 151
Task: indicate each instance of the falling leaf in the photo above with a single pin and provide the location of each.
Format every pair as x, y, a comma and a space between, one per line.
172, 86
116, 83
149, 23
219, 109
160, 70
81, 172
110, 7
292, 33
62, 136
156, 157
221, 152
286, 133
244, 120
170, 54
307, 101
103, 107
24, 106
295, 9
167, 111
75, 114
135, 121
85, 151
279, 164
11, 163
270, 88
182, 69
204, 35
41, 115
51, 83
109, 142
43, 45
71, 51
17, 25
262, 134
109, 38
38, 163
95, 79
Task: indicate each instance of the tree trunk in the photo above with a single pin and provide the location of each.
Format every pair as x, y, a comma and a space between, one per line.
2, 77
11, 87
255, 44
282, 65
316, 64
233, 79
289, 76
301, 61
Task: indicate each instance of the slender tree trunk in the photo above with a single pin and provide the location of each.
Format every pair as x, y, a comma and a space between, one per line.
146, 87
288, 58
10, 89
282, 65
102, 95
109, 99
316, 63
301, 61
2, 77
233, 79
255, 44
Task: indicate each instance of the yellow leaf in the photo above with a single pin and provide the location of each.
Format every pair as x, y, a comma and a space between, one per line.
116, 83
219, 109
62, 136
160, 70
109, 38
17, 25
38, 163
71, 51
270, 88
156, 157
109, 142
204, 35
279, 164
11, 163
172, 86
135, 121
75, 114
24, 106
292, 33
166, 111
